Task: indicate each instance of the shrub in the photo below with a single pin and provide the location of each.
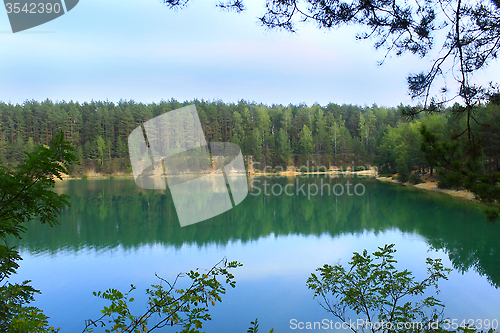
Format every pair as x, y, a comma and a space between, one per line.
374, 288
402, 169
414, 178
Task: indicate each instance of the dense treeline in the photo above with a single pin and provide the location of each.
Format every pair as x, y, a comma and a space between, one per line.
273, 135
400, 148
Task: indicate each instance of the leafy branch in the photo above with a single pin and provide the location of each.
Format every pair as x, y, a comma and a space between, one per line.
372, 287
25, 194
184, 307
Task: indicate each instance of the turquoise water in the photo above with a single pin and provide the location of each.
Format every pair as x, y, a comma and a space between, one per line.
116, 234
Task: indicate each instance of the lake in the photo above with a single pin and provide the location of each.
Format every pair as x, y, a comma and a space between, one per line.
116, 234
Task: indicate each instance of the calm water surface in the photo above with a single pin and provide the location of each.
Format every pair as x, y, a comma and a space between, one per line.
116, 234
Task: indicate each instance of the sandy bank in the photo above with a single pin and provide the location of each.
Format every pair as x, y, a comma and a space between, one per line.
431, 185
291, 173
121, 175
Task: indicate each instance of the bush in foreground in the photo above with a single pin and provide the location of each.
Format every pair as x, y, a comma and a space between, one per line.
375, 291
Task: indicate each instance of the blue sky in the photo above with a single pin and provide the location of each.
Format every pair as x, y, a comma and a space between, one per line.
141, 50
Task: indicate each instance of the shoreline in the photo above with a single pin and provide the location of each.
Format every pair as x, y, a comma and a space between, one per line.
367, 173
427, 185
431, 185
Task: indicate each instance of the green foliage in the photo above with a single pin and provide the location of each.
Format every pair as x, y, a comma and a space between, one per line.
184, 307
30, 146
399, 150
462, 167
438, 142
338, 139
256, 145
284, 148
254, 328
402, 169
99, 130
101, 147
26, 193
372, 287
446, 154
34, 174
366, 127
15, 316
414, 178
238, 130
306, 141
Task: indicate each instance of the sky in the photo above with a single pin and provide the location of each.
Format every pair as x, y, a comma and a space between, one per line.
140, 50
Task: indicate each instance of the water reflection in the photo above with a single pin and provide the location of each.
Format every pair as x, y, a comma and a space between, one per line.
108, 213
